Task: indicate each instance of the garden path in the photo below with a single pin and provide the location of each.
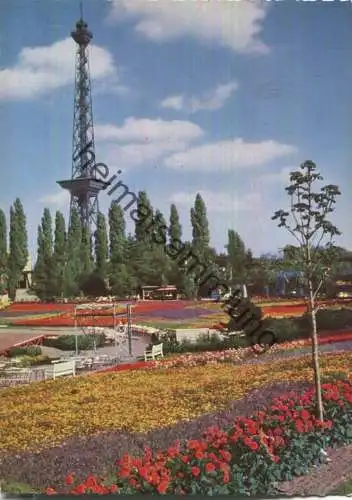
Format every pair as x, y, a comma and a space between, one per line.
323, 479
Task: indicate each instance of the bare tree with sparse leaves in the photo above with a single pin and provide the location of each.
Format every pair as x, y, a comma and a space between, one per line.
312, 230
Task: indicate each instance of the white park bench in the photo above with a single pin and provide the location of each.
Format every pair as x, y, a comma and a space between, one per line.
155, 351
60, 368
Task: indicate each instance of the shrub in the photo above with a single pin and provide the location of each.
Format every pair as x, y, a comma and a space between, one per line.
203, 344
286, 329
27, 361
334, 319
327, 319
25, 351
68, 342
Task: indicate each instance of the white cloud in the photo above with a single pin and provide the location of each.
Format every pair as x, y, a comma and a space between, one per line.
146, 130
228, 155
176, 102
58, 199
145, 141
209, 101
232, 24
40, 69
219, 202
281, 177
138, 154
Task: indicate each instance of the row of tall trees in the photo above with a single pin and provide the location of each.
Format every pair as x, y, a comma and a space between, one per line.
69, 262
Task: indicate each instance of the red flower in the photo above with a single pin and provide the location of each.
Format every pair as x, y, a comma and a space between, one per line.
91, 482
69, 479
163, 486
185, 459
124, 472
199, 455
193, 444
226, 477
305, 415
226, 455
79, 490
50, 491
172, 452
210, 467
195, 471
299, 424
250, 443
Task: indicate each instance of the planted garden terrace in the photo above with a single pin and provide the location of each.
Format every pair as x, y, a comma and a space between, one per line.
83, 425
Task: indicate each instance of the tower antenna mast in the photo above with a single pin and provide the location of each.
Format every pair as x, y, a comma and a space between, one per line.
84, 186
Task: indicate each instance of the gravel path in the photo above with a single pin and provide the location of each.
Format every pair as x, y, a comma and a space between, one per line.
323, 479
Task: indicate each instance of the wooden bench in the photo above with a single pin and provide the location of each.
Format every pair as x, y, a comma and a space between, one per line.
155, 351
61, 368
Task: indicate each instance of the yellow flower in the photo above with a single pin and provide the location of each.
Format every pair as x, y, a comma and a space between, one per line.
35, 417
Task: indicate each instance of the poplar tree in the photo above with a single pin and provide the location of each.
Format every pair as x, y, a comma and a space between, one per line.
3, 252
161, 263
86, 254
141, 253
200, 237
177, 275
43, 276
101, 247
73, 267
237, 256
143, 218
59, 255
18, 251
118, 272
175, 228
200, 226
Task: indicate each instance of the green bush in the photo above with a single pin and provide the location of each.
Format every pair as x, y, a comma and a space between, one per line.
27, 361
286, 329
68, 342
334, 319
172, 346
25, 351
328, 319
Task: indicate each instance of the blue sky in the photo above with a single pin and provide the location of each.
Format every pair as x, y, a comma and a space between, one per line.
220, 97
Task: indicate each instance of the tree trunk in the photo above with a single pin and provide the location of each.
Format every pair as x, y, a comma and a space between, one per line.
315, 353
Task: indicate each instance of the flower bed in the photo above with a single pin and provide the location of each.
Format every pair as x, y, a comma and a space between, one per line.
137, 401
248, 458
181, 312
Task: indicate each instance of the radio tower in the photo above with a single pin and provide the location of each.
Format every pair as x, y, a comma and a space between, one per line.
84, 186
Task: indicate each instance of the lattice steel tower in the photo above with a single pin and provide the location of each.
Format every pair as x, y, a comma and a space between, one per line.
84, 186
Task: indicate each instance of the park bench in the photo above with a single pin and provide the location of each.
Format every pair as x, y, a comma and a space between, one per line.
60, 368
154, 352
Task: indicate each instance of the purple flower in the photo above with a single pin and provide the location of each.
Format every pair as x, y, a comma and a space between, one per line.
177, 313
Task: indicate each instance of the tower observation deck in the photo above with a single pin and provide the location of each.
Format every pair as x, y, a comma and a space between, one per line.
84, 186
